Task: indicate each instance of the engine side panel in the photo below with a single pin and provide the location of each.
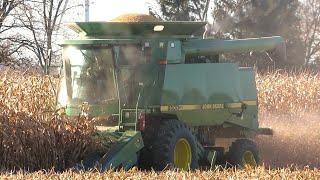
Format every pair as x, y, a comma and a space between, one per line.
210, 94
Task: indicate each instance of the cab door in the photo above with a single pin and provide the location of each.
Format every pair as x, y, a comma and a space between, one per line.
130, 61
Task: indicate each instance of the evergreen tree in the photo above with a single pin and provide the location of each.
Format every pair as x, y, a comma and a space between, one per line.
257, 18
183, 10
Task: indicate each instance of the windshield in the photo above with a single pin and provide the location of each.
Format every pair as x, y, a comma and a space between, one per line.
89, 75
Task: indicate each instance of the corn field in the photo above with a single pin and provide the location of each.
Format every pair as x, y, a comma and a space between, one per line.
33, 138
288, 92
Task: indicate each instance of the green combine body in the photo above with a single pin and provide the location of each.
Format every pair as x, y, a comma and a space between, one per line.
165, 93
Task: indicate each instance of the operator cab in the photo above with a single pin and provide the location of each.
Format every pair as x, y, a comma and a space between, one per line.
89, 72
96, 74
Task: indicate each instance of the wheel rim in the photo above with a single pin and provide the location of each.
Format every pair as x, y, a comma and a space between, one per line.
248, 159
182, 154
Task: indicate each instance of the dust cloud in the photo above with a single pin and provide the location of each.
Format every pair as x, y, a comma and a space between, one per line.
296, 140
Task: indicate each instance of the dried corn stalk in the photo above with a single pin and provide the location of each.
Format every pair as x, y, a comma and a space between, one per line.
288, 92
31, 136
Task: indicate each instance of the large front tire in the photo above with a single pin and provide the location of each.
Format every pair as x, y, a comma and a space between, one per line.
175, 147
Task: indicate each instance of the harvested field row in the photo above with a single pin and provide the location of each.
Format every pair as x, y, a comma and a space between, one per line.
258, 173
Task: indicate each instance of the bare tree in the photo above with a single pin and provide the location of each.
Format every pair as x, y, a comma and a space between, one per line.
310, 27
6, 7
42, 20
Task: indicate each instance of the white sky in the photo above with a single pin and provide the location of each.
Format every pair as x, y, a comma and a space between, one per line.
103, 10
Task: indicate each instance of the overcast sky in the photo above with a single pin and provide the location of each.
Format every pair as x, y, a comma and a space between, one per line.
103, 10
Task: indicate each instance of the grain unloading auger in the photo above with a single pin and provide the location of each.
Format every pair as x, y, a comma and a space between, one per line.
161, 95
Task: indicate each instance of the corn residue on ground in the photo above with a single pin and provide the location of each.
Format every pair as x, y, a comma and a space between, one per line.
134, 174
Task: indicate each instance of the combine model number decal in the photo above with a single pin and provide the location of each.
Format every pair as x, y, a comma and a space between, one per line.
174, 107
212, 106
206, 106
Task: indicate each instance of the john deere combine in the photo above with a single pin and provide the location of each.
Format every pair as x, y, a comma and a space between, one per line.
162, 95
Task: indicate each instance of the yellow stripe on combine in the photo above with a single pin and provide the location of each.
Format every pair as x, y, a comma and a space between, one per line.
206, 106
250, 103
233, 105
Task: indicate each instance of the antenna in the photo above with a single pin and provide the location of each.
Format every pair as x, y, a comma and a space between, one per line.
86, 10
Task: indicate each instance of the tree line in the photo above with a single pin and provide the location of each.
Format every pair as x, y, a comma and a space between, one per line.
29, 30
297, 21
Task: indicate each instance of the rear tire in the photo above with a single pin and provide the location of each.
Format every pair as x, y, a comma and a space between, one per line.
174, 146
243, 153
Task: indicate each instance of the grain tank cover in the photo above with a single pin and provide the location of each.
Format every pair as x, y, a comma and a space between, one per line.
181, 28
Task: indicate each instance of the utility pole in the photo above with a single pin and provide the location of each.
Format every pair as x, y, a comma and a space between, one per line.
86, 10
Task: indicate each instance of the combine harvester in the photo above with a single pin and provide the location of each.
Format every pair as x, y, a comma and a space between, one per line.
161, 94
